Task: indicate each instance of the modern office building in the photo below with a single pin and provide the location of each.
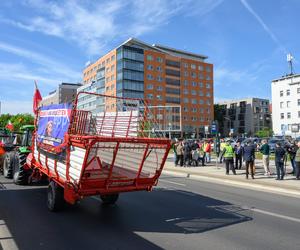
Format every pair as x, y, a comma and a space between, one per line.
286, 105
244, 116
160, 75
65, 93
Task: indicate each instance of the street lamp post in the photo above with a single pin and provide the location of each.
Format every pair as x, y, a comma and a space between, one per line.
228, 119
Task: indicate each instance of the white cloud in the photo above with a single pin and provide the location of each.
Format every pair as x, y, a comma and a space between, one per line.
16, 107
53, 66
94, 25
263, 25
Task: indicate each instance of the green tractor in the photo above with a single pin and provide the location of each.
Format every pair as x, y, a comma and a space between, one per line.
15, 161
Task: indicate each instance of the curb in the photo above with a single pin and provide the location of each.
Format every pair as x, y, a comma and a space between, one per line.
224, 180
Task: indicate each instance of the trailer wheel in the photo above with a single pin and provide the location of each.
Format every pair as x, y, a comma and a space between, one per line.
109, 199
55, 197
20, 174
8, 165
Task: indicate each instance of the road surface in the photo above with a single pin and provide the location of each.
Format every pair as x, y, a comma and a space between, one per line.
179, 214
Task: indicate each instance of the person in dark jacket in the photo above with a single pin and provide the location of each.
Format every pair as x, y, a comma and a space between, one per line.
187, 153
249, 157
297, 161
239, 151
291, 150
279, 161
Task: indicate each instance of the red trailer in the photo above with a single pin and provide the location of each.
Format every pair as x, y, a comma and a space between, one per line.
104, 153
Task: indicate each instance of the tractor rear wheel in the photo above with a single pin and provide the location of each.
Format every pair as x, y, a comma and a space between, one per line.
8, 165
55, 197
20, 174
109, 199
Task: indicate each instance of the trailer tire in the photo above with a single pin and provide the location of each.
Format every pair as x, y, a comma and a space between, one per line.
55, 197
20, 174
109, 199
8, 165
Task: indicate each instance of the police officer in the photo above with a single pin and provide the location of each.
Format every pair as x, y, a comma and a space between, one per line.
228, 154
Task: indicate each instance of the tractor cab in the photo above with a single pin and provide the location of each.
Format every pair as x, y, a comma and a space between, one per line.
26, 138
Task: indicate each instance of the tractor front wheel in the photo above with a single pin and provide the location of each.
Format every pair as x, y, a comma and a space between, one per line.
8, 165
109, 199
55, 197
20, 174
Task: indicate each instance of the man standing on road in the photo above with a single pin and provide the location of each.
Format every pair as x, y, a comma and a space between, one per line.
238, 149
291, 150
265, 150
297, 161
228, 154
249, 157
279, 161
179, 153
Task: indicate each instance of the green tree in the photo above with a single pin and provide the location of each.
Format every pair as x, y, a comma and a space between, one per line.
17, 120
265, 132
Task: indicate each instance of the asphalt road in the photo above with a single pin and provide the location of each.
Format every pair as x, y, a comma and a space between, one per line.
179, 214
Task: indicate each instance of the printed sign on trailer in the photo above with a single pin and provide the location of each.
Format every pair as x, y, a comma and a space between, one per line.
53, 123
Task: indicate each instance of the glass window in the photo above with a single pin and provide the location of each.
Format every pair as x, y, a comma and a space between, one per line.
201, 93
208, 78
200, 84
208, 94
194, 75
159, 88
107, 60
201, 102
158, 68
149, 77
150, 96
200, 67
298, 114
201, 77
202, 110
185, 91
208, 102
281, 104
185, 65
185, 100
287, 92
159, 97
281, 115
185, 83
159, 59
194, 84
149, 67
194, 110
194, 101
193, 66
281, 93
186, 73
185, 109
298, 102
194, 92
288, 104
159, 79
288, 115
207, 85
149, 86
208, 69
149, 58
298, 90
112, 58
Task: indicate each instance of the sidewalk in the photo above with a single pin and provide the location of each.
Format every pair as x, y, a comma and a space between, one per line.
213, 172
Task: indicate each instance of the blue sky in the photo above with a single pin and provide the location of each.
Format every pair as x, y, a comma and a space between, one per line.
50, 41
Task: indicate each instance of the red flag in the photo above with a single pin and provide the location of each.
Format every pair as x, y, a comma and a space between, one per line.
9, 126
36, 98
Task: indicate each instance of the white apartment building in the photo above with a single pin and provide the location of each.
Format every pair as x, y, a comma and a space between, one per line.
286, 105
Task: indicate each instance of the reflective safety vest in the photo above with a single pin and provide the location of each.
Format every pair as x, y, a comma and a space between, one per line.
229, 151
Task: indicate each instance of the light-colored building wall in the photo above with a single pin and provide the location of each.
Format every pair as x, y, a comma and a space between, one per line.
245, 116
286, 105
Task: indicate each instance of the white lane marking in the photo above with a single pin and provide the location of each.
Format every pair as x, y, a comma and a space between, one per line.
174, 219
172, 182
96, 198
275, 215
253, 186
7, 242
176, 190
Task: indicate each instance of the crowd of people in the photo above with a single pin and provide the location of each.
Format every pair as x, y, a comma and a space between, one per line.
195, 152
192, 152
